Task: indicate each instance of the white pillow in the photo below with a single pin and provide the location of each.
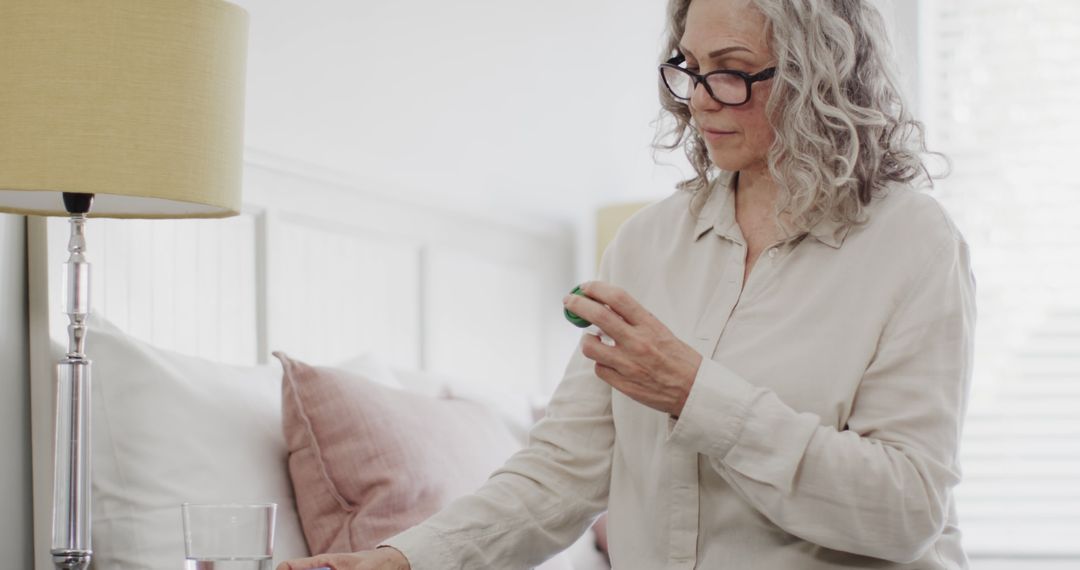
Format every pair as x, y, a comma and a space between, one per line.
370, 366
421, 382
169, 428
514, 408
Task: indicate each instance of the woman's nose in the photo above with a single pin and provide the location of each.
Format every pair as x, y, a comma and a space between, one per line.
701, 100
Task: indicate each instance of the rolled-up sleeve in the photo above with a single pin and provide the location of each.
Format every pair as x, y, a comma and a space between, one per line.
880, 487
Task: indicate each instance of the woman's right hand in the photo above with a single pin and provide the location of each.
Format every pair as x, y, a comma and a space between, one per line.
385, 558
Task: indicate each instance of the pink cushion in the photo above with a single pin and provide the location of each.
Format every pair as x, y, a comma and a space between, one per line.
368, 461
600, 530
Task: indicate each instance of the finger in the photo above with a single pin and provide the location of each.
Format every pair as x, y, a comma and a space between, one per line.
627, 386
594, 349
292, 565
314, 563
596, 313
300, 564
611, 377
618, 299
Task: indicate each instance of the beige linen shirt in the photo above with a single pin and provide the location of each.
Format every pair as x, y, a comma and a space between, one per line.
821, 430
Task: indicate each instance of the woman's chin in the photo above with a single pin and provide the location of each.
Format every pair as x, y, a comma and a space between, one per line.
736, 161
724, 161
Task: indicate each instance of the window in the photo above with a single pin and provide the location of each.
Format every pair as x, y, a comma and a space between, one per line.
1001, 95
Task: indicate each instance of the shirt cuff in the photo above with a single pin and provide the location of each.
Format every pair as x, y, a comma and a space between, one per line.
745, 427
714, 412
424, 547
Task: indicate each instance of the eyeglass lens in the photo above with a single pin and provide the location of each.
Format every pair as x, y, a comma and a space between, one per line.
728, 88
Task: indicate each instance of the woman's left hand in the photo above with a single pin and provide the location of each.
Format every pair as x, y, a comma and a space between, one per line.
648, 363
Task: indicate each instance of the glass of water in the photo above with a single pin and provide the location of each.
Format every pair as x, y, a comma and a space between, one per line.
228, 537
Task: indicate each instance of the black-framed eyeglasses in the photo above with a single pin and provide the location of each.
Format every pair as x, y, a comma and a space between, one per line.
725, 86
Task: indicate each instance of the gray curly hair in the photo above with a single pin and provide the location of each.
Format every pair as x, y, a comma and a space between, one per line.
842, 128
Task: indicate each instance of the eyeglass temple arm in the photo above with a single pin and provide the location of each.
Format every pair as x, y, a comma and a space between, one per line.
763, 74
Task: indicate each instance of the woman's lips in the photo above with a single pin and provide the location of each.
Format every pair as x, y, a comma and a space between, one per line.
716, 133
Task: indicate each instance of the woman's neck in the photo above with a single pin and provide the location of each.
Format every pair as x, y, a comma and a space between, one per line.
755, 192
755, 205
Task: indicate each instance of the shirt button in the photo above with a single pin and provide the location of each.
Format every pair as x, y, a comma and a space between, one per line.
772, 252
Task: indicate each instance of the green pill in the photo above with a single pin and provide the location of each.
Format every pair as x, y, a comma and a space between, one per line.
574, 319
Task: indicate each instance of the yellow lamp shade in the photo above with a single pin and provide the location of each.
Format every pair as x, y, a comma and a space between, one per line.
140, 102
608, 221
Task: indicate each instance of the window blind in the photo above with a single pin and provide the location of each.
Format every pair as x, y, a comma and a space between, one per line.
1001, 96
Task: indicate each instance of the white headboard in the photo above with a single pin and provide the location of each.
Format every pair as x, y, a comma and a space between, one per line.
323, 269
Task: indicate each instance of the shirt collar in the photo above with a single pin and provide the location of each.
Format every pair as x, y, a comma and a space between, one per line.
830, 232
718, 214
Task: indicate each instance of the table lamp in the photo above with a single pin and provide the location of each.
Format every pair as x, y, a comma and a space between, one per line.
608, 220
114, 108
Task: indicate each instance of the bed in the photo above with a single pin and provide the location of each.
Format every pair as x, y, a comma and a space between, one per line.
335, 271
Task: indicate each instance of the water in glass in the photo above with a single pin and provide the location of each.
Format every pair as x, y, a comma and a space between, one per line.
261, 563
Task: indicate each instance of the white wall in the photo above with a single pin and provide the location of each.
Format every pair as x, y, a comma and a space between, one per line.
15, 487
902, 21
490, 106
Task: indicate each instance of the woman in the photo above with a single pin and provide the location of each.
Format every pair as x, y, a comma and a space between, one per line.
792, 332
